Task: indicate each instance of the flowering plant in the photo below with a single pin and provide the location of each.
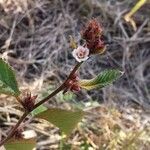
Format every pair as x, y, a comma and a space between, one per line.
81, 53
93, 44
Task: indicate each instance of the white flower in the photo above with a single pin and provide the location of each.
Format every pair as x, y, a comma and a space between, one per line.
81, 53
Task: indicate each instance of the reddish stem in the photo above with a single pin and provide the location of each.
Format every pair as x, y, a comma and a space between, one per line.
60, 88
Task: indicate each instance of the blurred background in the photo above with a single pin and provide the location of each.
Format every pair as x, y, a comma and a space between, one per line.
34, 39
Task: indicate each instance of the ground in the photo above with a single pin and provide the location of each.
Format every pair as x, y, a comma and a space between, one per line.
34, 40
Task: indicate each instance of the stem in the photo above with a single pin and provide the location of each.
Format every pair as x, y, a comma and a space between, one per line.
49, 96
60, 88
74, 69
11, 133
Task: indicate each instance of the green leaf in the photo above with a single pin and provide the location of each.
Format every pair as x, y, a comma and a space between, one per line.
66, 120
38, 110
22, 144
8, 83
104, 78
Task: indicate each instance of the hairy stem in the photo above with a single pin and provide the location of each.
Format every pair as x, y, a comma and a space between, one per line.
11, 133
60, 88
74, 69
49, 96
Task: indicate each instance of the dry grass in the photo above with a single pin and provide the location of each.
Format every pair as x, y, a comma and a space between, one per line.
34, 37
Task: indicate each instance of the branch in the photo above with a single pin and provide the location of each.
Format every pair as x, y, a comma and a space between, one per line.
60, 88
11, 133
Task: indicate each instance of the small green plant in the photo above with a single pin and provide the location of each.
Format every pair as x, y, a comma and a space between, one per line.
65, 120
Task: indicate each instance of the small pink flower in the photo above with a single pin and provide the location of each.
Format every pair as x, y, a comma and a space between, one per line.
81, 53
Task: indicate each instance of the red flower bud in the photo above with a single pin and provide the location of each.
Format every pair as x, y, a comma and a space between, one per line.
28, 102
72, 84
75, 87
69, 83
92, 35
97, 47
92, 30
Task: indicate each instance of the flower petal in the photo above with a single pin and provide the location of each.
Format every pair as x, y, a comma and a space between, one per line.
81, 53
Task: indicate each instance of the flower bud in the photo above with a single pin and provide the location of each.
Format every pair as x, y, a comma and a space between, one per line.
92, 36
92, 30
97, 47
74, 77
29, 102
72, 84
75, 88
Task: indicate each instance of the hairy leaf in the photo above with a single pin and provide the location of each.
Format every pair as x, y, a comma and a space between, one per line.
104, 78
39, 110
8, 84
22, 144
66, 120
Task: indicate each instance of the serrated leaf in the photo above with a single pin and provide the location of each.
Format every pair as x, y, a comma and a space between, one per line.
104, 78
65, 120
8, 83
38, 110
22, 144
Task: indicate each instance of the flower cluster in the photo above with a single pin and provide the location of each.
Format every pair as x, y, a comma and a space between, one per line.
92, 34
29, 101
72, 84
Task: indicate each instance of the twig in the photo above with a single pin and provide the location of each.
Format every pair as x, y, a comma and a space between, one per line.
61, 87
11, 133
